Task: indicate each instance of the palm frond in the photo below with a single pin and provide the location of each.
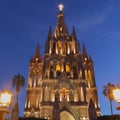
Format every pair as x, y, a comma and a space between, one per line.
17, 82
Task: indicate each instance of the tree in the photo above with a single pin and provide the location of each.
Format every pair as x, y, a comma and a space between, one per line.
108, 92
18, 81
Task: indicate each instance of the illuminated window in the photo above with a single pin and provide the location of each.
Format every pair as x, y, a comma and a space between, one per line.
84, 118
67, 68
57, 67
85, 59
64, 93
59, 46
90, 78
86, 77
36, 59
60, 28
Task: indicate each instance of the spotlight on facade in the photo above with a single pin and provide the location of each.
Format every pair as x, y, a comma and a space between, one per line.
5, 101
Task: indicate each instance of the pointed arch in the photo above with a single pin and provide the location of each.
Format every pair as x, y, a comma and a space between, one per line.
58, 70
59, 47
65, 48
67, 69
65, 115
90, 78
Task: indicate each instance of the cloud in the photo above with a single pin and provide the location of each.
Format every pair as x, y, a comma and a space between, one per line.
95, 19
110, 34
92, 21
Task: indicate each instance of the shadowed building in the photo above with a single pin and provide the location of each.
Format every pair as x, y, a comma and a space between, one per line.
62, 85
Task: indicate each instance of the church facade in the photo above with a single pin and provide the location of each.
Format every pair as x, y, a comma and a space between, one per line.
62, 86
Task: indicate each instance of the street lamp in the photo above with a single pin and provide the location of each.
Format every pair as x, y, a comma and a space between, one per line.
116, 93
5, 101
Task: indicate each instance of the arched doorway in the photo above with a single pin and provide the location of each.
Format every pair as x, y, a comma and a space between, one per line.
65, 115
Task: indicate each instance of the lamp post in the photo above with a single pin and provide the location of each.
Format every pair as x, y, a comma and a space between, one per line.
116, 93
5, 101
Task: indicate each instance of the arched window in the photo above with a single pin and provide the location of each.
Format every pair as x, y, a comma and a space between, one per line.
67, 69
59, 47
58, 69
64, 93
86, 77
90, 78
65, 48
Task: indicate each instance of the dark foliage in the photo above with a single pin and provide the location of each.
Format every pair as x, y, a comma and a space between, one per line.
20, 118
110, 117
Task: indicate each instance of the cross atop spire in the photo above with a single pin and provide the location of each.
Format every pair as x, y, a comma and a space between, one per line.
61, 28
60, 6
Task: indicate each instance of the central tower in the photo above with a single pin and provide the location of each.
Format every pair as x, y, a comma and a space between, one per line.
62, 85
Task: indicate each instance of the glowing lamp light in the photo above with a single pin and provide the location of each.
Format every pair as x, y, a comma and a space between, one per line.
84, 118
5, 99
116, 94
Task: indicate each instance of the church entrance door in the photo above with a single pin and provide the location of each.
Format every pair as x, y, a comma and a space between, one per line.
65, 115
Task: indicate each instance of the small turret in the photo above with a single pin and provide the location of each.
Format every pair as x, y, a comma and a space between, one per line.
84, 53
37, 52
78, 47
74, 34
90, 59
37, 57
50, 33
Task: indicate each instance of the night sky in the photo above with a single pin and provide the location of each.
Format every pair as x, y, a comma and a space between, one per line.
24, 23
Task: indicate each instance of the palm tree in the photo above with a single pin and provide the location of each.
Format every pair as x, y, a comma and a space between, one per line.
108, 92
17, 82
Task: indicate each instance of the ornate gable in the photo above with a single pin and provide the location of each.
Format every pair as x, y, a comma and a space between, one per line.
63, 82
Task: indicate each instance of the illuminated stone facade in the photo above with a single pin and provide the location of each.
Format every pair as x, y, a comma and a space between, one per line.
62, 85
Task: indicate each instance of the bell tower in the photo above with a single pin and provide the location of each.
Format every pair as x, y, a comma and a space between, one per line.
90, 80
34, 90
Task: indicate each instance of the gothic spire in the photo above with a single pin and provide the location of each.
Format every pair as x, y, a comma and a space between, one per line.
37, 57
74, 34
61, 28
50, 33
78, 46
37, 52
90, 59
84, 53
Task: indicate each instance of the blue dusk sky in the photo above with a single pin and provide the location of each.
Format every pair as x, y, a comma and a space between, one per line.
24, 23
